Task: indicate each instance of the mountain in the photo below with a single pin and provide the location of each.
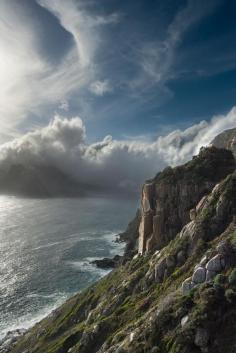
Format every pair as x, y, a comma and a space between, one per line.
177, 294
37, 181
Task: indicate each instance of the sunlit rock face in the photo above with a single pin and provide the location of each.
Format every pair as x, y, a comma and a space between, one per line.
147, 209
168, 201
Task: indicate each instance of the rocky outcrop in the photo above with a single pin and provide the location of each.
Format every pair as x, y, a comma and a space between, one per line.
168, 201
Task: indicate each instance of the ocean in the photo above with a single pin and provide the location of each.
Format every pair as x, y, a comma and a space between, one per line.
46, 246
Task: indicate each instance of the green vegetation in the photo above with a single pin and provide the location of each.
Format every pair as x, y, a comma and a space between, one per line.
232, 277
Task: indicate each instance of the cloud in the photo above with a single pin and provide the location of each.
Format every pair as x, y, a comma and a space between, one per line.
99, 88
157, 59
31, 84
64, 105
110, 164
82, 26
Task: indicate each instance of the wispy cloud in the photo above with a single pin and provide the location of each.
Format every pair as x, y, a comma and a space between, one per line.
30, 84
81, 25
157, 58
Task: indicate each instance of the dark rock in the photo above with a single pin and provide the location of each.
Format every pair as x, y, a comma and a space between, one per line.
199, 275
107, 262
216, 264
210, 275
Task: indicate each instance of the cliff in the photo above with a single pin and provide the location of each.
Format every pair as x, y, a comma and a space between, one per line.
169, 200
180, 297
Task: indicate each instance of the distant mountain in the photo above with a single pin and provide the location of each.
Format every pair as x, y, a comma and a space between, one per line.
226, 139
37, 181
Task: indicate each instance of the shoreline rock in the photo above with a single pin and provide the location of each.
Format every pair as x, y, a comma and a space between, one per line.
107, 262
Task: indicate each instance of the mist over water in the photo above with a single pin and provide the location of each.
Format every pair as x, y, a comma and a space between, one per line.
45, 249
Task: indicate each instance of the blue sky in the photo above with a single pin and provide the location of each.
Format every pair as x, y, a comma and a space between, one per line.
112, 92
127, 68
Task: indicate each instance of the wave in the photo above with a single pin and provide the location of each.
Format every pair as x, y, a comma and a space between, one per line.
83, 265
29, 320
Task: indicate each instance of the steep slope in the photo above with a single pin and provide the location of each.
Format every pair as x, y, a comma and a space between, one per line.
226, 139
179, 299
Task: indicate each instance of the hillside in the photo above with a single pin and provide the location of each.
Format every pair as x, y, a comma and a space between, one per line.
178, 293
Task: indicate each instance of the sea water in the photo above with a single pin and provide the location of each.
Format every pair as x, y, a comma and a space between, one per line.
46, 246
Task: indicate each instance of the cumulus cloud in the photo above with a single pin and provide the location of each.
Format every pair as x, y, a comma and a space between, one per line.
99, 88
110, 164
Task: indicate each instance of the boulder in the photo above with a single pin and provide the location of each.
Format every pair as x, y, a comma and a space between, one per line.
210, 275
216, 264
199, 275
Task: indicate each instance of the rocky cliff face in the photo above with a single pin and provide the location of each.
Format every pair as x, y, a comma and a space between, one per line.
168, 200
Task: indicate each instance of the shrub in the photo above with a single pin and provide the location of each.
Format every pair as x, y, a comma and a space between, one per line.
232, 277
219, 279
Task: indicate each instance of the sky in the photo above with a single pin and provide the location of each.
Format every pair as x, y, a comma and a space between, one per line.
138, 81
